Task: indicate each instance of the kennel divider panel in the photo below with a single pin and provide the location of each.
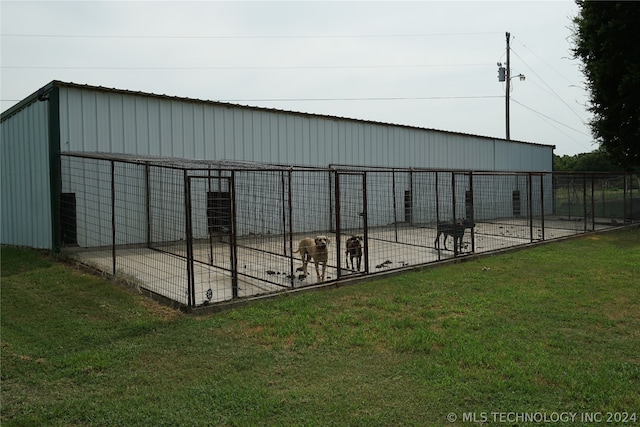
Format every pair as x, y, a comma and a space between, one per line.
462, 205
264, 226
167, 216
611, 199
445, 204
351, 215
535, 200
90, 181
211, 238
424, 199
112, 213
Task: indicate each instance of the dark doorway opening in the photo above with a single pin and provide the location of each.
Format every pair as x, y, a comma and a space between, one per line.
219, 212
68, 220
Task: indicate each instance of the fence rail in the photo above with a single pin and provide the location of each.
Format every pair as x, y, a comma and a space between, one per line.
201, 233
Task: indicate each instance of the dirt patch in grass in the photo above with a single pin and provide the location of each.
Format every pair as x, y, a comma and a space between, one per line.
158, 310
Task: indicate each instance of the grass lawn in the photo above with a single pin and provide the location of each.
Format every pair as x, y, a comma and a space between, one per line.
544, 331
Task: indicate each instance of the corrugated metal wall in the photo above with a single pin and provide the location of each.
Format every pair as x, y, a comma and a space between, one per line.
25, 198
104, 120
110, 121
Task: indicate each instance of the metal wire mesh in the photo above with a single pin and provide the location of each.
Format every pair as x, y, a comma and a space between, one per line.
198, 232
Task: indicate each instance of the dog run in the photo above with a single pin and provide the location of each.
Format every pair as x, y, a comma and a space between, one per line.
201, 233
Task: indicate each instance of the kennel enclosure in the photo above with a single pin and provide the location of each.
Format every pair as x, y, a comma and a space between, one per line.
203, 232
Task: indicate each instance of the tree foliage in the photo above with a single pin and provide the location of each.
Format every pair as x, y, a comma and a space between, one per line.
607, 41
595, 161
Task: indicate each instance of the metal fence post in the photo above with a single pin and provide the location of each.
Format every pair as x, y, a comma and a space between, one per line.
631, 177
411, 194
234, 242
395, 208
191, 297
437, 211
337, 213
365, 222
147, 206
469, 210
542, 176
593, 206
289, 210
453, 210
284, 213
113, 216
584, 199
530, 205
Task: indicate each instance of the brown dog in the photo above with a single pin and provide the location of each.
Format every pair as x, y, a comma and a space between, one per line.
318, 249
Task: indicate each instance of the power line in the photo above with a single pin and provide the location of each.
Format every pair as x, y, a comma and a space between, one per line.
548, 87
542, 59
550, 118
310, 36
553, 120
274, 67
341, 99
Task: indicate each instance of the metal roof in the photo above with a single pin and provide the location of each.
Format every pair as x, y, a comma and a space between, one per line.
56, 83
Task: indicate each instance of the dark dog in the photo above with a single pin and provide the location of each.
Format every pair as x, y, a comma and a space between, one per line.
455, 230
354, 250
316, 249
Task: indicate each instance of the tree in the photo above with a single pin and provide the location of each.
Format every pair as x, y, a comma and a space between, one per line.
607, 41
595, 161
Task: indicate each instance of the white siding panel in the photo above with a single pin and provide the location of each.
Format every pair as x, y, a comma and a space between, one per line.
188, 136
25, 199
153, 126
130, 125
142, 125
72, 119
299, 141
112, 121
258, 149
103, 131
201, 133
116, 123
230, 135
313, 136
89, 123
176, 141
165, 141
238, 147
208, 134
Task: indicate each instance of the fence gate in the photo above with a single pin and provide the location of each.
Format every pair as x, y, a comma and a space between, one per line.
455, 210
535, 206
211, 239
351, 219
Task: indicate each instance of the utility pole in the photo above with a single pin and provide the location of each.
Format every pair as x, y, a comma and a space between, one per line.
504, 75
508, 81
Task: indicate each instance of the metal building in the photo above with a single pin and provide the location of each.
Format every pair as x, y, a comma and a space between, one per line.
70, 118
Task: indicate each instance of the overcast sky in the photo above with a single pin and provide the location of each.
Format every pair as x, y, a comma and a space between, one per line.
431, 64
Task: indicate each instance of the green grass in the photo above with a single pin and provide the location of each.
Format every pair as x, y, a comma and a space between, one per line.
549, 329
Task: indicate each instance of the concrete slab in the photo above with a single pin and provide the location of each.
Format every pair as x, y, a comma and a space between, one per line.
265, 263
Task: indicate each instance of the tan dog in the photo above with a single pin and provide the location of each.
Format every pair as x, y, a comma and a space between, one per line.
318, 249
